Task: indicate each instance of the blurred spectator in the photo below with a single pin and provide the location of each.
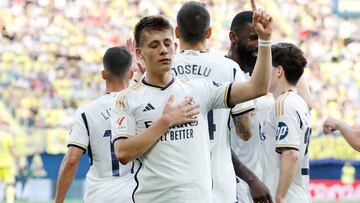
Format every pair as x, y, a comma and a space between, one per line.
348, 173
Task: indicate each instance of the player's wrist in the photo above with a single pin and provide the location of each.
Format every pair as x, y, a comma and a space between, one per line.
279, 199
264, 43
252, 181
165, 121
265, 37
339, 124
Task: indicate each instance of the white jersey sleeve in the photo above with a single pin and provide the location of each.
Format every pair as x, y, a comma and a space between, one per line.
287, 122
123, 124
219, 94
243, 107
79, 136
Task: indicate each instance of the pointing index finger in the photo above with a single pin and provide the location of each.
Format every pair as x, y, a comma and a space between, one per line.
253, 5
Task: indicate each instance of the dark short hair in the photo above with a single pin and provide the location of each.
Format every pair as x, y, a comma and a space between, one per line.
194, 21
240, 20
117, 60
150, 23
291, 58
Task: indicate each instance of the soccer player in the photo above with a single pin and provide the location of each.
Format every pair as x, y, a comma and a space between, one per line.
194, 62
351, 135
287, 129
243, 50
107, 180
7, 164
246, 144
175, 159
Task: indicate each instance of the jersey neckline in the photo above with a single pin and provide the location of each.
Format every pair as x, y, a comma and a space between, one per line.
156, 86
188, 51
290, 90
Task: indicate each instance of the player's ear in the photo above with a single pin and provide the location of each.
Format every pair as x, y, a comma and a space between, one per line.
208, 33
104, 74
138, 53
280, 71
233, 37
175, 46
177, 32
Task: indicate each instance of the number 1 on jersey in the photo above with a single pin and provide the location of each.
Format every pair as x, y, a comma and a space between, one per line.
114, 162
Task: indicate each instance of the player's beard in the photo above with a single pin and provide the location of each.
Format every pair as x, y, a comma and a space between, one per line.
247, 57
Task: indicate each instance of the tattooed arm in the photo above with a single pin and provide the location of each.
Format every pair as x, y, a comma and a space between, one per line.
243, 124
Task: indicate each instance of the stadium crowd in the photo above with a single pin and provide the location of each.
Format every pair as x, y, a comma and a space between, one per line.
51, 53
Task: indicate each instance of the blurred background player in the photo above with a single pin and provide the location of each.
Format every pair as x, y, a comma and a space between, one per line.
243, 50
7, 162
246, 144
194, 61
287, 129
351, 135
107, 180
187, 178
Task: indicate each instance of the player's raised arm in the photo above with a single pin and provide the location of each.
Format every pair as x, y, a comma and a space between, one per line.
253, 5
259, 83
132, 147
351, 135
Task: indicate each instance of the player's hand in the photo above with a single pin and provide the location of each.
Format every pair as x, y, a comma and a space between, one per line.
136, 64
262, 22
184, 112
330, 125
280, 200
259, 192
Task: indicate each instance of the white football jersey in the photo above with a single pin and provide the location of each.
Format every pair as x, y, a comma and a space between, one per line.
287, 126
191, 65
107, 179
249, 152
177, 167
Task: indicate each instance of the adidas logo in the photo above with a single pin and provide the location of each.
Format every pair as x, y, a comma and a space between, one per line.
148, 107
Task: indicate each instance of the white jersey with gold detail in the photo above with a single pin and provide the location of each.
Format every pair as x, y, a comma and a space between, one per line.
249, 152
287, 127
107, 180
177, 167
191, 65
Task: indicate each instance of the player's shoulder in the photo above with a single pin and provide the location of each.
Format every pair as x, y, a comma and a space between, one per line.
84, 108
209, 58
219, 59
288, 102
283, 102
128, 93
92, 104
196, 82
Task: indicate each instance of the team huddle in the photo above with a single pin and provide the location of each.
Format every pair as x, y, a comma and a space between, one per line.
196, 127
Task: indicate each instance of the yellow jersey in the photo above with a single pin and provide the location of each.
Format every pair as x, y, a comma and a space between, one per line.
6, 142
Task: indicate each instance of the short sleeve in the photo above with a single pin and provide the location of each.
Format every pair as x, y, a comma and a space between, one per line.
123, 124
287, 123
244, 107
219, 94
79, 135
